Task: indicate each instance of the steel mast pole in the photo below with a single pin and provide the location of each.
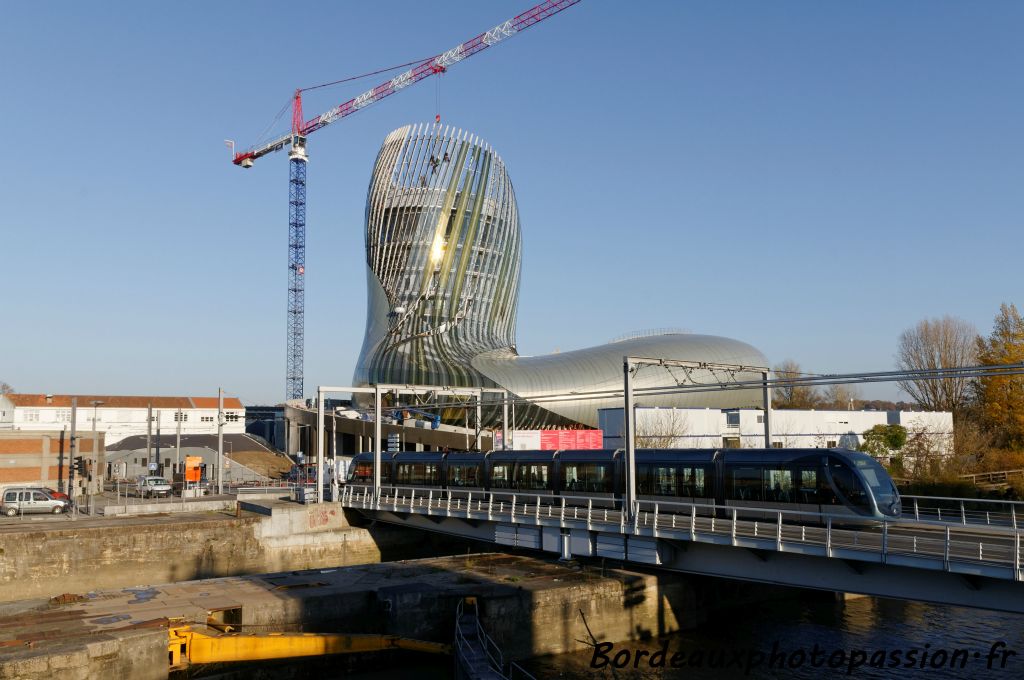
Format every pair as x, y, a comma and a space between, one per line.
296, 266
220, 441
628, 426
376, 443
319, 445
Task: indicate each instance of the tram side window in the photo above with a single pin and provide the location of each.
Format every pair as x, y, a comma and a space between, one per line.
462, 475
691, 482
532, 476
663, 480
745, 483
501, 476
778, 485
808, 491
419, 474
847, 483
826, 494
643, 480
587, 477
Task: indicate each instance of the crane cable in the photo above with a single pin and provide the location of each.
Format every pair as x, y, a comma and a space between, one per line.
365, 75
263, 135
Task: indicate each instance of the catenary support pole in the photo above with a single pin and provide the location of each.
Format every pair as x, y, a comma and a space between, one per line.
319, 445
177, 450
504, 421
74, 450
376, 442
628, 427
220, 441
767, 397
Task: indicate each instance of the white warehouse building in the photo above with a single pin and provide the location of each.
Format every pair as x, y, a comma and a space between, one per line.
685, 428
119, 416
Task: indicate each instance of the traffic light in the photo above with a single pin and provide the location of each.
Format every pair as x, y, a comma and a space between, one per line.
80, 466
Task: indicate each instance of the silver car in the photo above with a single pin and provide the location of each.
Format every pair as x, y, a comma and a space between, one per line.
21, 500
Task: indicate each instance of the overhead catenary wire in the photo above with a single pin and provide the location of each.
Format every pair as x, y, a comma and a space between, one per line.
810, 381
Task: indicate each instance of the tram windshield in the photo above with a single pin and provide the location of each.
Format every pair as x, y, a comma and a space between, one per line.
848, 483
880, 483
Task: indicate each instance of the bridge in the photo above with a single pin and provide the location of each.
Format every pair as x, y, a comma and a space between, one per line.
947, 551
973, 560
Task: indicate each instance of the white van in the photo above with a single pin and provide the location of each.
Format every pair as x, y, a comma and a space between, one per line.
152, 487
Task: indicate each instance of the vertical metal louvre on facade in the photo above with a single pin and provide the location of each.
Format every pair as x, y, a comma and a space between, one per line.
443, 250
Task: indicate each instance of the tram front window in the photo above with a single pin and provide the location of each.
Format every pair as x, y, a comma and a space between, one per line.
361, 473
848, 484
880, 483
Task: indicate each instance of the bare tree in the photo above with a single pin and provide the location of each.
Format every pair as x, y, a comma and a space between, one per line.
841, 397
793, 396
5, 389
948, 342
783, 432
661, 429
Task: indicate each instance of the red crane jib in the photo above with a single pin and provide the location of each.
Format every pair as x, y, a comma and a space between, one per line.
427, 68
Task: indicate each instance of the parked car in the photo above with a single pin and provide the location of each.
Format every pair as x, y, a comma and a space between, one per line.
24, 500
59, 495
152, 487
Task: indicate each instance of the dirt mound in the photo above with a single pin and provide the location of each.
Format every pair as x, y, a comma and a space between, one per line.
264, 463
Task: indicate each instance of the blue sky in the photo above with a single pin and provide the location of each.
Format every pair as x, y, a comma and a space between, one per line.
809, 177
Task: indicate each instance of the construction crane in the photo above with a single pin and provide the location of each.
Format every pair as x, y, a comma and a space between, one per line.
296, 140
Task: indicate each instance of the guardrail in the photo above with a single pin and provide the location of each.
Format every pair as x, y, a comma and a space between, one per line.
963, 511
945, 546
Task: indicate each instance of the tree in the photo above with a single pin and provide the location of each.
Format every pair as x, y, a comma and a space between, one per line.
841, 397
1001, 398
661, 429
883, 440
948, 342
793, 396
5, 389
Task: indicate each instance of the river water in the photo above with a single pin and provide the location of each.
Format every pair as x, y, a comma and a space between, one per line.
811, 636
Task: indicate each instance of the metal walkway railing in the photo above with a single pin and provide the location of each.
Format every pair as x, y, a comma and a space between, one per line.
477, 655
978, 550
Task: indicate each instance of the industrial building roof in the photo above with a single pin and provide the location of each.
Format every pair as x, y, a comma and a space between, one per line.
116, 401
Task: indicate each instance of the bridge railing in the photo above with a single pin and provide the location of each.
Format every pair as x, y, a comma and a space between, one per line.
938, 546
963, 511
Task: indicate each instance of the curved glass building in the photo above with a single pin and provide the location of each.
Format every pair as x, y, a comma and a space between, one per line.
443, 254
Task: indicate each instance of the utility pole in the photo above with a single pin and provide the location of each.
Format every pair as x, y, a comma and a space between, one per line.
74, 448
177, 448
157, 440
334, 457
60, 461
220, 441
149, 437
97, 475
628, 426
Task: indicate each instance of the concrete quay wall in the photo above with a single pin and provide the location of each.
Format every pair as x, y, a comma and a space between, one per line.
114, 553
531, 607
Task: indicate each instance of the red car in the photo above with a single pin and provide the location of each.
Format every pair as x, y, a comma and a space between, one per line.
56, 494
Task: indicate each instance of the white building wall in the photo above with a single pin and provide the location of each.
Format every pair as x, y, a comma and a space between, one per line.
713, 428
119, 423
